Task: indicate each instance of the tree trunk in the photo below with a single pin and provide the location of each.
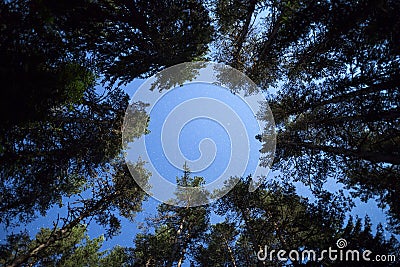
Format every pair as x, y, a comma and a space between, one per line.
61, 233
176, 244
231, 255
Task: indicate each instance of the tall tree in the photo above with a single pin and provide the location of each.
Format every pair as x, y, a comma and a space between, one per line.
176, 230
45, 160
57, 128
219, 247
48, 47
75, 249
274, 216
336, 113
113, 195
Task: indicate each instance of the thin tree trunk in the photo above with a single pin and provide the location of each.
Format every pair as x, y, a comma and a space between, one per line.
181, 257
243, 34
176, 244
61, 233
256, 246
231, 255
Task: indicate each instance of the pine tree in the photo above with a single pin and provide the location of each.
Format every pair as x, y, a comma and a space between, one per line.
75, 249
336, 64
113, 195
57, 127
177, 229
274, 216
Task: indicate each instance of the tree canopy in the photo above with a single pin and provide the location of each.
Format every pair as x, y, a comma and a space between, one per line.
58, 127
335, 69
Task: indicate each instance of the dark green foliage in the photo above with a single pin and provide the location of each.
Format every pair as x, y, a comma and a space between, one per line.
150, 35
359, 236
220, 246
75, 249
57, 129
106, 204
337, 65
176, 231
44, 160
276, 217
337, 115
